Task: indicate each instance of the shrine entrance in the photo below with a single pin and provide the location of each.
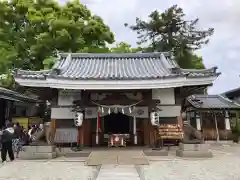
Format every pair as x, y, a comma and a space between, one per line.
117, 123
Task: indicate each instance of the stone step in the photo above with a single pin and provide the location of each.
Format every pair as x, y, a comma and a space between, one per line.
116, 177
118, 173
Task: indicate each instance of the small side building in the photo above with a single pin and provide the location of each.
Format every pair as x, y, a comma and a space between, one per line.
210, 114
234, 95
7, 100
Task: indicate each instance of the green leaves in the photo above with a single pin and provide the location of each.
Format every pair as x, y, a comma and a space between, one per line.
123, 47
169, 31
33, 31
7, 80
49, 62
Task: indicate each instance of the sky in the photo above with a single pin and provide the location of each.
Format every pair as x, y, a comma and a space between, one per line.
222, 15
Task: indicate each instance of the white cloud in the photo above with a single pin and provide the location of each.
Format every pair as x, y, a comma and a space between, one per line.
223, 15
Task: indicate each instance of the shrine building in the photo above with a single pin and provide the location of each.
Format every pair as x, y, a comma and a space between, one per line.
116, 92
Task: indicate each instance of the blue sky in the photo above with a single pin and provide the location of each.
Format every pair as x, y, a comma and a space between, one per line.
223, 15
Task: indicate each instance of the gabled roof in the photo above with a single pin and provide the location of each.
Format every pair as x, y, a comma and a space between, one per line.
15, 96
122, 67
211, 102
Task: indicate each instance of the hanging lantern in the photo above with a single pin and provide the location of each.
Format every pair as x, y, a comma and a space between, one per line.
78, 119
116, 110
123, 110
154, 118
102, 110
109, 111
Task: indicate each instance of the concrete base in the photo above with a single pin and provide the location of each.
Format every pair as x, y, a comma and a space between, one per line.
194, 150
38, 152
194, 154
194, 147
162, 152
221, 142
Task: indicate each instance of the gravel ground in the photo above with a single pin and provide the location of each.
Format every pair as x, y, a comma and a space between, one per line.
40, 170
225, 165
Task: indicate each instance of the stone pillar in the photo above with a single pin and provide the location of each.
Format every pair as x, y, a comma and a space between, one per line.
135, 129
227, 121
198, 121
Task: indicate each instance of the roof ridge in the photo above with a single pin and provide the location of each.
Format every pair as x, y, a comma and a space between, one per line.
228, 100
119, 55
199, 70
31, 71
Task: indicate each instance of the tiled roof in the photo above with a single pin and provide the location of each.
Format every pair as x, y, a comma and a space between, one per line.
199, 72
211, 102
122, 66
13, 95
33, 74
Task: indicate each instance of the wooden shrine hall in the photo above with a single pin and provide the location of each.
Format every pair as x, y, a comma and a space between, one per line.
97, 96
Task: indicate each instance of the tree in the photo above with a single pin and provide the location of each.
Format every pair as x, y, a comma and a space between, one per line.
124, 47
35, 30
7, 80
169, 31
8, 54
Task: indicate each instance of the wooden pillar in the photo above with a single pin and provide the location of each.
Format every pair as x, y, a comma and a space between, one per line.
82, 135
87, 129
79, 135
146, 132
81, 128
216, 126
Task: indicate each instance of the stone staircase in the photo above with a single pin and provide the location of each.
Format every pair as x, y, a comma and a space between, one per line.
118, 172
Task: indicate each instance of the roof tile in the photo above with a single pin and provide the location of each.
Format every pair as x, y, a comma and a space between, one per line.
211, 102
121, 66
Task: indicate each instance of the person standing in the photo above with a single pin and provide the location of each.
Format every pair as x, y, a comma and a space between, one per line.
17, 141
6, 141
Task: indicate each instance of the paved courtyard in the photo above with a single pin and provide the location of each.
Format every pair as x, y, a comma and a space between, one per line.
43, 170
224, 166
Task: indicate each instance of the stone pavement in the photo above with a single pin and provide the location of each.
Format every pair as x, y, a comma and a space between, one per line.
224, 165
121, 157
118, 172
46, 170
